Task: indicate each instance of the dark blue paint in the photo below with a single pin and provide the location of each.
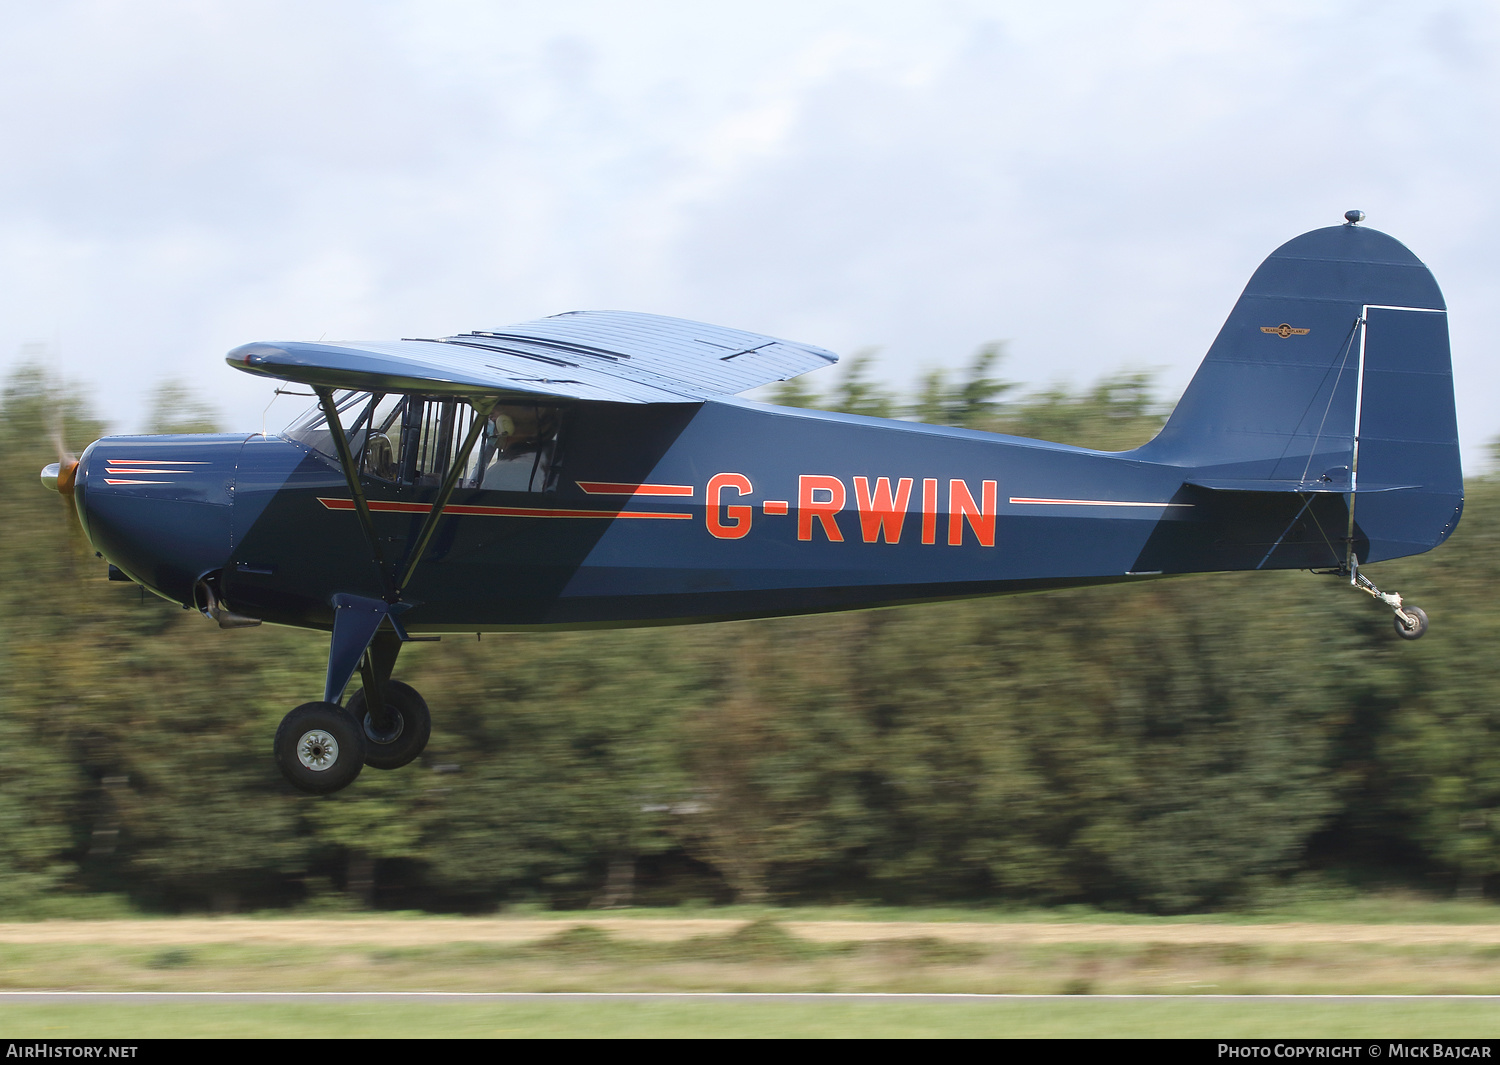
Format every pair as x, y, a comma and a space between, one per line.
1256, 459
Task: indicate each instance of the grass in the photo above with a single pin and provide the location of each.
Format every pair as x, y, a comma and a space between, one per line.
757, 951
1079, 1018
1323, 906
1313, 903
760, 956
1397, 907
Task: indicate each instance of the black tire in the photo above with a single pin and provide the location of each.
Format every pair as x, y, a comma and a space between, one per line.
1415, 632
319, 748
413, 726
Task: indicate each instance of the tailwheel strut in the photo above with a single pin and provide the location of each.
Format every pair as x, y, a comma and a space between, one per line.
1411, 621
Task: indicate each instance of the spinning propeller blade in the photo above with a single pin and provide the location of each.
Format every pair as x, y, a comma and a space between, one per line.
60, 475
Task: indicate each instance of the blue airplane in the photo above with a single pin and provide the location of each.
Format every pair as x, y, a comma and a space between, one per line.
595, 469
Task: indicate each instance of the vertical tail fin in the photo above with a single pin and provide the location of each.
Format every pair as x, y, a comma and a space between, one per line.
1332, 374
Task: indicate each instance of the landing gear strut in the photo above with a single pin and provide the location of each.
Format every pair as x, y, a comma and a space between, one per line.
321, 747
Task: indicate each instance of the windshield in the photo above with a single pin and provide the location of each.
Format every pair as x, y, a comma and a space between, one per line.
312, 430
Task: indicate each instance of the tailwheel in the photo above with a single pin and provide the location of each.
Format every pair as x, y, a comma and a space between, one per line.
1413, 625
408, 726
320, 748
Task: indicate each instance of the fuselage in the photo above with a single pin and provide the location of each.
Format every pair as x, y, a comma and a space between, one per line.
654, 514
588, 470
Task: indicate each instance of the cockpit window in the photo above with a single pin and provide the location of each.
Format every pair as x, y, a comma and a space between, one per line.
518, 449
413, 440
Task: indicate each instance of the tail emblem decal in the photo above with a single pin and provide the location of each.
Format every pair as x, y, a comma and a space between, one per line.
1283, 330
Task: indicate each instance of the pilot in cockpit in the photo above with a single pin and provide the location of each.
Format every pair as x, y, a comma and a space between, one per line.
517, 449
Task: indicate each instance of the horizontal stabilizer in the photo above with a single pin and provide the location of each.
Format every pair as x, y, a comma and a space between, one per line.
611, 356
1222, 485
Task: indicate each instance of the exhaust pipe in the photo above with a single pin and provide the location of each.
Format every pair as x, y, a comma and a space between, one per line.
206, 598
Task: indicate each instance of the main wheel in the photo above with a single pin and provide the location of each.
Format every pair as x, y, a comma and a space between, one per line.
320, 748
1412, 632
407, 739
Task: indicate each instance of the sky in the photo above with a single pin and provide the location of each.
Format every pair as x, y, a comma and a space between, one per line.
1091, 182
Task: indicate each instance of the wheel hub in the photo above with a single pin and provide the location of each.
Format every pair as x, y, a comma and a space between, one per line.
391, 735
317, 750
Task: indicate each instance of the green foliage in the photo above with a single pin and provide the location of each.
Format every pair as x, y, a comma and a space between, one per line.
1117, 413
796, 392
855, 393
554, 755
972, 402
1082, 745
175, 408
1439, 748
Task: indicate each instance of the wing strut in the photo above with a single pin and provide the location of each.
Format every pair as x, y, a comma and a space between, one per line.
357, 620
482, 408
351, 475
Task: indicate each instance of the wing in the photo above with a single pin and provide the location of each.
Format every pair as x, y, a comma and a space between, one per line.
617, 356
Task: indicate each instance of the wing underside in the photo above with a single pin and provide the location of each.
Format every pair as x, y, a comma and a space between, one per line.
612, 356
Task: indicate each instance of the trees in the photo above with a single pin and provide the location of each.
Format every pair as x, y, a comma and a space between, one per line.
550, 760
1438, 747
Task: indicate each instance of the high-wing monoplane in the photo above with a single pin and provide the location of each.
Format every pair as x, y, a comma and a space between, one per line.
595, 469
